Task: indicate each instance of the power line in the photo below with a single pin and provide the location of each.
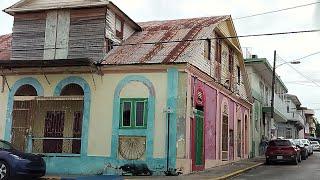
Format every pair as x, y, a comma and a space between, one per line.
308, 56
275, 11
303, 75
191, 40
301, 84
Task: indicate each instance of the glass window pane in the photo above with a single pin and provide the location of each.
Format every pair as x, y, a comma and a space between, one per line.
139, 113
126, 114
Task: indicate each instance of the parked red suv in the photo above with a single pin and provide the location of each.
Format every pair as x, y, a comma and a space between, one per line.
282, 150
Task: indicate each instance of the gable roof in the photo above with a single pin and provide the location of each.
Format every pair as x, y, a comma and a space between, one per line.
5, 47
34, 5
178, 33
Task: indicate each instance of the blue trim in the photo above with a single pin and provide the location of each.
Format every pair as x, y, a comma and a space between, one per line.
172, 96
86, 106
94, 165
28, 80
150, 118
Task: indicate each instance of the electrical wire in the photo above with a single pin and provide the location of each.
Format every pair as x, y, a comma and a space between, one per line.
300, 73
275, 11
312, 54
188, 40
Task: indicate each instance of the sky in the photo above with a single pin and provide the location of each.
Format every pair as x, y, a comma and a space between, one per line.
288, 47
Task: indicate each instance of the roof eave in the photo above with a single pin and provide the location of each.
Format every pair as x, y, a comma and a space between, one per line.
12, 10
268, 66
133, 23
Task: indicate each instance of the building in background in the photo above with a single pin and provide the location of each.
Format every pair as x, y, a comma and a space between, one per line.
310, 130
294, 127
260, 76
91, 89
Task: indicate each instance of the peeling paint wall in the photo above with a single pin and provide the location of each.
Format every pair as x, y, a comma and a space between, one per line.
214, 102
181, 116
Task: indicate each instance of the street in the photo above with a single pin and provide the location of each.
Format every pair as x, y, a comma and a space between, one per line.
308, 169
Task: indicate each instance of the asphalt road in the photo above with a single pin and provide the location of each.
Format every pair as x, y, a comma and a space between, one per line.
306, 170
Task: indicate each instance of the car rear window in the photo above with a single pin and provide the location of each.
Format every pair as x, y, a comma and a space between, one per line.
314, 142
280, 143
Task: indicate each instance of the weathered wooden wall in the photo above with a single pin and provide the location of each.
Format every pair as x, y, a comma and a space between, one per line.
111, 28
87, 33
28, 36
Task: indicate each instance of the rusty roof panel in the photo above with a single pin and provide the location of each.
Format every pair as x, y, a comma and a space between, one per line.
163, 31
5, 47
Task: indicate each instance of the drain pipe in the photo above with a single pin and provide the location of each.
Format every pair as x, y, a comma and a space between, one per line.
168, 111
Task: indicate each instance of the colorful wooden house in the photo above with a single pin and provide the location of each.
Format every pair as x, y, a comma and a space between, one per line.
91, 89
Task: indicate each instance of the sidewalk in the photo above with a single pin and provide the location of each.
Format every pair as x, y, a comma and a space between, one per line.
229, 170
217, 173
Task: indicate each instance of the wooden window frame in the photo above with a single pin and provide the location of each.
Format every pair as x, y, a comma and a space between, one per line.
133, 113
238, 75
120, 33
121, 111
218, 49
231, 60
207, 49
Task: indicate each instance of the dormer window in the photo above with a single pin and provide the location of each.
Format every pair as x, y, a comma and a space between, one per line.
119, 27
207, 49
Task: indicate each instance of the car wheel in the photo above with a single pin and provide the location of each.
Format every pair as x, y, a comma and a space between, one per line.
4, 171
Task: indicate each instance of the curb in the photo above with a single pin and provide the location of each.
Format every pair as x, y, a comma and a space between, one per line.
236, 173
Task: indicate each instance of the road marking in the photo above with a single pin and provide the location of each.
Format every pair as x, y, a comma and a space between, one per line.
237, 172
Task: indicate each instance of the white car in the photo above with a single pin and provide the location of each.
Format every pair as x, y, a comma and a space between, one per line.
315, 145
307, 145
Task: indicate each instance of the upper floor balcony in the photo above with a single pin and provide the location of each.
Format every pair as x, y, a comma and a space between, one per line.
280, 110
296, 117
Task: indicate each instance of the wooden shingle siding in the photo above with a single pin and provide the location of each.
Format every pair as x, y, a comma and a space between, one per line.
127, 31
226, 30
87, 33
111, 28
28, 36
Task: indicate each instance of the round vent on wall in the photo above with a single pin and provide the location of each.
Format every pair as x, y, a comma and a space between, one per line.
132, 147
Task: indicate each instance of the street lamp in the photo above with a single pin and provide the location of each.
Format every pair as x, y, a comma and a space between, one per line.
274, 79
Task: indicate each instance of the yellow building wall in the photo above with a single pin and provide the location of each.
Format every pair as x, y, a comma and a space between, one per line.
102, 95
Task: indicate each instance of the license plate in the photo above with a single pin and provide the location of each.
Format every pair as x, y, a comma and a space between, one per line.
279, 157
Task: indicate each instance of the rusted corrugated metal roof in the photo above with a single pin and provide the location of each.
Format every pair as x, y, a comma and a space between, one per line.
163, 31
5, 47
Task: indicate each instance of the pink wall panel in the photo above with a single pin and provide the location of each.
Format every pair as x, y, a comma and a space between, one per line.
212, 117
210, 122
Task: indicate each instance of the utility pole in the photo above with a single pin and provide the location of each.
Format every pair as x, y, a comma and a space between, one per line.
273, 86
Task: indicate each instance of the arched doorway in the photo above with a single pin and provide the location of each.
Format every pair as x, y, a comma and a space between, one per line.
198, 132
21, 115
63, 121
224, 132
239, 132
